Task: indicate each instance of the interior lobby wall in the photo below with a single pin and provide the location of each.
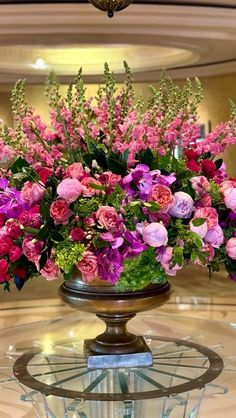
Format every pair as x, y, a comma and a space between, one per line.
214, 108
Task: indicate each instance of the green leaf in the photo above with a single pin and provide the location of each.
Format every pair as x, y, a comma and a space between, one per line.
218, 163
134, 203
97, 186
198, 221
56, 236
152, 206
43, 260
18, 165
44, 211
196, 240
178, 257
43, 233
146, 157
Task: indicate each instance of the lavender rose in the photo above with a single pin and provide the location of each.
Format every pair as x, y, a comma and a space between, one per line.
182, 206
154, 234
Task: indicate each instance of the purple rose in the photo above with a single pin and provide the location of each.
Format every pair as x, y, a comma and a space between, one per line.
182, 206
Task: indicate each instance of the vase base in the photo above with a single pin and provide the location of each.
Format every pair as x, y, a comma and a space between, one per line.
108, 361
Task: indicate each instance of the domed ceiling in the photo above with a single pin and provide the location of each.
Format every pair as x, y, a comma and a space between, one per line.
187, 38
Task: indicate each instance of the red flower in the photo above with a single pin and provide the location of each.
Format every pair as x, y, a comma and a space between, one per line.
14, 228
209, 168
77, 234
191, 155
193, 166
2, 219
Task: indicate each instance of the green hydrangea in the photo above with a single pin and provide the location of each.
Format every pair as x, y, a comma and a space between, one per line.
68, 254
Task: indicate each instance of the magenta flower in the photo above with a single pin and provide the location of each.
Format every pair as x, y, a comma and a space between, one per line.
109, 264
134, 244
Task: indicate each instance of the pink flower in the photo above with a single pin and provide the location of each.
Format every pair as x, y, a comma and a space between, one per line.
32, 249
182, 206
200, 184
14, 228
205, 200
88, 267
5, 277
107, 217
89, 221
14, 253
3, 266
44, 173
211, 253
227, 184
50, 271
88, 191
215, 236
75, 171
4, 247
162, 196
230, 198
209, 214
2, 219
32, 192
60, 211
231, 248
77, 234
164, 258
199, 230
109, 179
154, 234
69, 189
25, 218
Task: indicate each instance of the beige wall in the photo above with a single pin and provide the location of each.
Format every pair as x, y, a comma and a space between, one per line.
215, 106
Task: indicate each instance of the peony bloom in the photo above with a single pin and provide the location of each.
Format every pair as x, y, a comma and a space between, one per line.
182, 206
154, 234
107, 217
60, 211
162, 196
75, 171
88, 267
69, 189
15, 253
32, 249
227, 184
209, 214
231, 248
87, 190
200, 230
200, 184
50, 271
32, 192
230, 198
215, 236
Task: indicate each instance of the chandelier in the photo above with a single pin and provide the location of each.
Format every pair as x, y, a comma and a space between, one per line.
110, 6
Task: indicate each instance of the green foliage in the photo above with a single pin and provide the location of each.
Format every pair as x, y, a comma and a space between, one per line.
84, 207
141, 271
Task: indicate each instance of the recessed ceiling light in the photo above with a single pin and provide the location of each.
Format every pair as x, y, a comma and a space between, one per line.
40, 64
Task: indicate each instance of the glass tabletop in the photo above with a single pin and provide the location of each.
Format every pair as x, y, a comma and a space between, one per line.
193, 372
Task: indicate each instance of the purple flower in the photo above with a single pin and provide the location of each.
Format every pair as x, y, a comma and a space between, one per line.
115, 240
138, 181
182, 206
109, 264
134, 245
159, 178
11, 203
232, 276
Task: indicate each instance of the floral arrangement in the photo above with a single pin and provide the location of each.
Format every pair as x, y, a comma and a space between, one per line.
100, 193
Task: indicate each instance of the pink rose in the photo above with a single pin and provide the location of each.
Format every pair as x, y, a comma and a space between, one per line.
162, 196
75, 171
32, 192
200, 230
227, 184
69, 189
77, 234
14, 253
109, 179
50, 271
107, 217
60, 211
35, 221
88, 191
182, 206
32, 249
200, 184
209, 214
14, 228
230, 198
215, 236
88, 267
3, 266
231, 248
154, 234
25, 217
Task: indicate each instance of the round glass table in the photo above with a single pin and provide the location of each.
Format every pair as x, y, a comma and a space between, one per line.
43, 372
